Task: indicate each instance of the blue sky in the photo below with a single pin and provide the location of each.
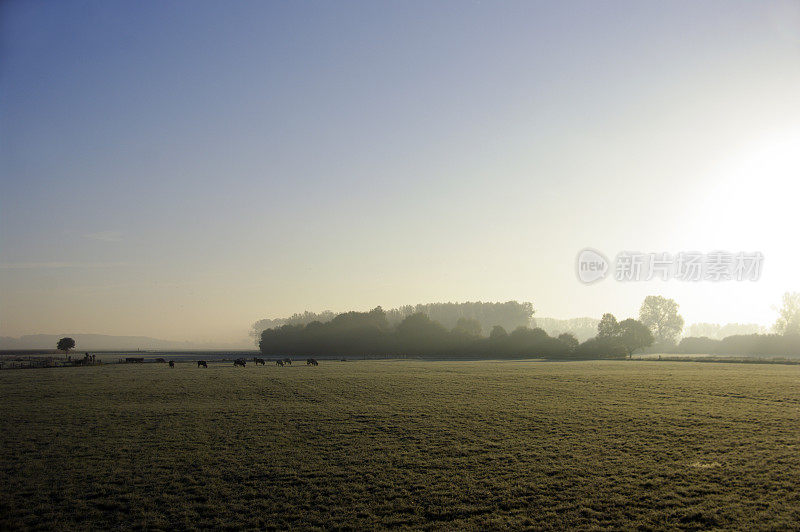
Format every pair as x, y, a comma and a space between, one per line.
182, 169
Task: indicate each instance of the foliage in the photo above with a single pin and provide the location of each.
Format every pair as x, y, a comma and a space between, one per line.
718, 332
370, 335
569, 340
581, 328
498, 333
509, 315
789, 320
608, 327
661, 316
634, 335
768, 345
65, 344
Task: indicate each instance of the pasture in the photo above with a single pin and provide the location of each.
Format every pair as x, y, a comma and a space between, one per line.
385, 444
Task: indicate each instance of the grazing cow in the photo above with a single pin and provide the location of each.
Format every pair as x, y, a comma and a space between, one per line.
202, 363
258, 361
172, 363
312, 362
239, 362
279, 362
287, 361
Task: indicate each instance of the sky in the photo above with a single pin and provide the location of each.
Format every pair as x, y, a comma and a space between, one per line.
183, 169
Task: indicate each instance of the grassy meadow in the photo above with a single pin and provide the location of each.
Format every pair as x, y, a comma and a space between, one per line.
385, 444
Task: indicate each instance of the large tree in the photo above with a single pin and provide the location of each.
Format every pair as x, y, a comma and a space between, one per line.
789, 320
569, 341
633, 335
65, 344
661, 316
608, 327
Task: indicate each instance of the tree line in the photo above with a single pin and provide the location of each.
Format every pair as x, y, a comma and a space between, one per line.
509, 315
370, 334
415, 331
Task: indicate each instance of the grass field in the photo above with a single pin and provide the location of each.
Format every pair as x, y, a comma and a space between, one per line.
375, 444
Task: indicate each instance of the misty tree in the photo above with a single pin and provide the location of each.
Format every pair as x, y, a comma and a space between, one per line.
708, 330
509, 315
718, 332
581, 328
468, 327
498, 333
65, 344
569, 340
608, 326
295, 319
789, 314
661, 316
633, 335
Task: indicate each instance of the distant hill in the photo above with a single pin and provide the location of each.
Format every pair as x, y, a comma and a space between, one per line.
103, 342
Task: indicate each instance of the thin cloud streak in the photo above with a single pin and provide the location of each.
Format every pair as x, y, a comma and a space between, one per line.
105, 236
56, 265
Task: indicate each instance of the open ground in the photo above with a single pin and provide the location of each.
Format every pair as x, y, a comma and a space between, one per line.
382, 444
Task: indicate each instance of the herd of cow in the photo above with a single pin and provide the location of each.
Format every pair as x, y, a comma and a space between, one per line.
242, 362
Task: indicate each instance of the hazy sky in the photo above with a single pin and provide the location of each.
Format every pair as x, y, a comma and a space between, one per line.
181, 169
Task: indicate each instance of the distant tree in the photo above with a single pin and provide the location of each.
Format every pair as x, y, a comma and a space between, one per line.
468, 327
498, 333
598, 347
569, 341
660, 315
733, 329
698, 344
789, 319
581, 328
633, 335
509, 315
65, 344
708, 330
608, 327
418, 334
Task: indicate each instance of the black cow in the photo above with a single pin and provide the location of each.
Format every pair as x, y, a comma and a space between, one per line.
258, 361
312, 362
279, 362
202, 363
239, 362
172, 363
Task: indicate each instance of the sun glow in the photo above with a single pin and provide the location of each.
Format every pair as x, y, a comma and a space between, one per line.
751, 198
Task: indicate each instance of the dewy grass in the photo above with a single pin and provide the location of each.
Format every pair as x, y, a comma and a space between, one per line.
385, 444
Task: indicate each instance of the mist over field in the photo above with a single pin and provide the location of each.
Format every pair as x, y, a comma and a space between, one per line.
399, 265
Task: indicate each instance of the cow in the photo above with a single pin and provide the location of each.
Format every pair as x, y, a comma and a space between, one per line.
287, 361
258, 361
239, 362
312, 362
279, 362
172, 363
202, 363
